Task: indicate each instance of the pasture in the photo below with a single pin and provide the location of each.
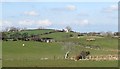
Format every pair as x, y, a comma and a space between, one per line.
33, 53
0, 54
42, 54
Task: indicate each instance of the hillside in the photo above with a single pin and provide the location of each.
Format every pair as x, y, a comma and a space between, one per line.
37, 31
34, 52
105, 42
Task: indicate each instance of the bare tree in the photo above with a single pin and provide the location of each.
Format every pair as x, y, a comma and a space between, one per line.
68, 28
109, 34
7, 29
24, 28
14, 29
68, 46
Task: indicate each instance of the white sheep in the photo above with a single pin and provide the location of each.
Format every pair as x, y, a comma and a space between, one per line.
23, 45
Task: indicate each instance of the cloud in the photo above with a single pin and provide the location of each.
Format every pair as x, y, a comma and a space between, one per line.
112, 17
36, 23
0, 23
5, 23
60, 1
31, 13
44, 22
26, 22
111, 9
83, 22
83, 14
71, 7
65, 8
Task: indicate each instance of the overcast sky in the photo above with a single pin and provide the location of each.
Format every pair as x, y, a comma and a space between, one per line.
81, 16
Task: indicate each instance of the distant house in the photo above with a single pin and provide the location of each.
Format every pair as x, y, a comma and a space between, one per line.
48, 40
66, 30
59, 31
35, 38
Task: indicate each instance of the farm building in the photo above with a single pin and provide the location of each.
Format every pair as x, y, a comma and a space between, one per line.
35, 38
48, 40
66, 30
45, 39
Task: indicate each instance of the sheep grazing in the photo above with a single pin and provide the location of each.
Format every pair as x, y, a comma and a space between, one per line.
44, 59
23, 45
91, 39
103, 58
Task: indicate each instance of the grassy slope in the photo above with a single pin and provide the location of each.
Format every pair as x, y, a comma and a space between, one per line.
0, 53
59, 35
102, 42
16, 55
32, 31
60, 63
33, 51
37, 31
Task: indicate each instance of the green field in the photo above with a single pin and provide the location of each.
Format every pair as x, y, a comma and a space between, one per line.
15, 55
0, 53
59, 63
30, 55
34, 31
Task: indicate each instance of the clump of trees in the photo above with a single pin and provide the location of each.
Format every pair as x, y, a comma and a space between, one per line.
68, 28
25, 36
117, 34
4, 36
14, 36
14, 29
20, 36
13, 33
0, 35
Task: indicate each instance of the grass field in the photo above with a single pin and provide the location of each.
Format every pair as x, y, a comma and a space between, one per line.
59, 63
14, 54
0, 53
37, 31
32, 54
